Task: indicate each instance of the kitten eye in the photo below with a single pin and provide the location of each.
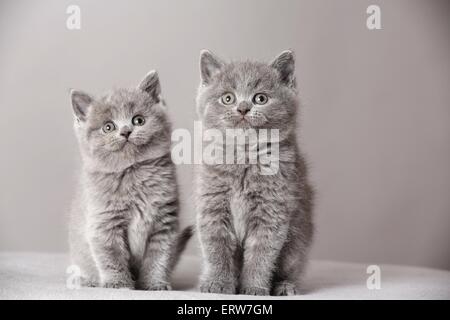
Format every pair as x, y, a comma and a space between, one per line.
260, 98
138, 120
108, 127
228, 98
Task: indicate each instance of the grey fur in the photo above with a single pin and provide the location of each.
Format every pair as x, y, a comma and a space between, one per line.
124, 222
255, 230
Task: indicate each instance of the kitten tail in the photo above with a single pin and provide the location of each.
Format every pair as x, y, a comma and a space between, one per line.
181, 243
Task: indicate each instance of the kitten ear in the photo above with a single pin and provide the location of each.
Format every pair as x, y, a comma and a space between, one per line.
210, 65
80, 103
151, 85
284, 63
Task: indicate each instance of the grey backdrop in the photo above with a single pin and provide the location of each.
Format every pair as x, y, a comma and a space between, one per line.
375, 122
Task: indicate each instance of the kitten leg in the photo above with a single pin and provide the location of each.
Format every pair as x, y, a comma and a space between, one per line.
155, 270
290, 266
218, 244
81, 257
293, 258
263, 243
110, 251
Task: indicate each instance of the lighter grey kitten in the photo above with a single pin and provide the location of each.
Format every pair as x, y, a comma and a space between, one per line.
255, 230
124, 221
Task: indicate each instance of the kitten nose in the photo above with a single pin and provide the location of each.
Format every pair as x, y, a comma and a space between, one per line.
243, 108
125, 132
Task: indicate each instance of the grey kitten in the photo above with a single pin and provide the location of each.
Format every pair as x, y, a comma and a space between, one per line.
255, 230
124, 221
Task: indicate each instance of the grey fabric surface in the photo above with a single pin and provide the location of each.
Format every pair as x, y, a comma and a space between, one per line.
43, 276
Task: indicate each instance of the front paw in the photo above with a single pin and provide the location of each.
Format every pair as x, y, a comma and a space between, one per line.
285, 289
217, 286
160, 287
118, 282
254, 291
163, 286
88, 282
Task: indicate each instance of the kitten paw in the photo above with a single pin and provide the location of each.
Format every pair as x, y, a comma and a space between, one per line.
254, 291
217, 287
157, 287
118, 283
285, 288
88, 282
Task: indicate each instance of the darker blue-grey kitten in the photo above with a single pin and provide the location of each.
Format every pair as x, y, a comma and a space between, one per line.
124, 222
255, 229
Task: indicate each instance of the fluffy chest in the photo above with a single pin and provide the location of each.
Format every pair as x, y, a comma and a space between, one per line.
138, 231
239, 209
244, 198
254, 196
127, 196
126, 191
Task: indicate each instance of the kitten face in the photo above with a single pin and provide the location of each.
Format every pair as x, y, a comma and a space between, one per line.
122, 122
247, 94
122, 127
